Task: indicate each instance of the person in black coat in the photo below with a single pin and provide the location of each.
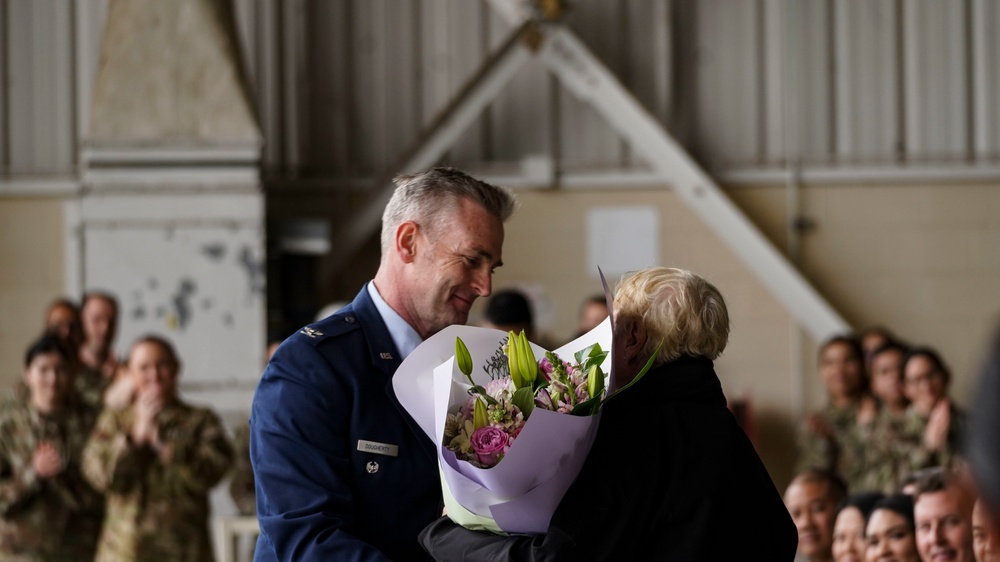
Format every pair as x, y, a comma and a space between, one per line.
670, 476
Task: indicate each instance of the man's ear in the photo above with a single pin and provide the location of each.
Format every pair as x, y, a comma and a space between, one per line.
406, 241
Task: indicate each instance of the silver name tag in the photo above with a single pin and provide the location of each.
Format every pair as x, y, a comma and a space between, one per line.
378, 448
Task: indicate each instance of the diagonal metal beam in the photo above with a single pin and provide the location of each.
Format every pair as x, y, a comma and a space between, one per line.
495, 73
580, 72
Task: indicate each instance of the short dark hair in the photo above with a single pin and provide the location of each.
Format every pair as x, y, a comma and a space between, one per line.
509, 306
863, 501
932, 355
845, 339
900, 504
48, 343
934, 479
891, 345
836, 488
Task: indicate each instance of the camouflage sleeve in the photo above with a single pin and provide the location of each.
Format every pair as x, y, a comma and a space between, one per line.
815, 451
110, 461
18, 482
200, 460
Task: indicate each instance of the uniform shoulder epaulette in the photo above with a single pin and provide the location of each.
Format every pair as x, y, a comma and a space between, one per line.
332, 326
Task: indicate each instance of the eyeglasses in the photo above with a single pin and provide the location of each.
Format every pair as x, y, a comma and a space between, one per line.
925, 378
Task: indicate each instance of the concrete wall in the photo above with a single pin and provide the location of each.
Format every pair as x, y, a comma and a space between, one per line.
31, 274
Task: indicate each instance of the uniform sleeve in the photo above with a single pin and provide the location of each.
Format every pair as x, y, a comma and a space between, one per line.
18, 481
110, 461
298, 448
200, 456
815, 451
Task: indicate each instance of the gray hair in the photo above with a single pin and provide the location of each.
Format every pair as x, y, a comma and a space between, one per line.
676, 306
427, 196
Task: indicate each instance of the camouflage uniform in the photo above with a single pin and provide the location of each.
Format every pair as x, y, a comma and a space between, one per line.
57, 518
241, 486
829, 453
90, 384
876, 447
157, 511
911, 451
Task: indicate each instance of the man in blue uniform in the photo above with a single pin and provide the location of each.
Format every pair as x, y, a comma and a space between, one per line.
342, 471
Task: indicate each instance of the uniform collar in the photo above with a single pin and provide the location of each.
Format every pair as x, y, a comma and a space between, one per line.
403, 335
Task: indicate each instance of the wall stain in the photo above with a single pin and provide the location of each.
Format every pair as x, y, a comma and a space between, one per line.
253, 267
182, 301
214, 251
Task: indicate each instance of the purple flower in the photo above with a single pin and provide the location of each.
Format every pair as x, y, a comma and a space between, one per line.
489, 443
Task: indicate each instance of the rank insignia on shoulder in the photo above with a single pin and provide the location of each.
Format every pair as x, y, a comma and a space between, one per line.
385, 355
310, 332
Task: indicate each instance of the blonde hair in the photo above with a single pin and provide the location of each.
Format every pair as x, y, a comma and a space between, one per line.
676, 306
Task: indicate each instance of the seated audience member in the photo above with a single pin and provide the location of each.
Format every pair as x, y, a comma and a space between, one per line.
157, 460
701, 493
849, 526
985, 534
824, 439
935, 427
593, 311
891, 534
881, 423
509, 310
47, 511
811, 499
942, 511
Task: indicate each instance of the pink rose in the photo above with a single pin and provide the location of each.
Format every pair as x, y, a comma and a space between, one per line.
489, 443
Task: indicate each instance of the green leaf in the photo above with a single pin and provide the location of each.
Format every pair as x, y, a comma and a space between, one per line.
595, 381
581, 356
513, 361
529, 367
587, 407
476, 389
524, 399
463, 358
479, 417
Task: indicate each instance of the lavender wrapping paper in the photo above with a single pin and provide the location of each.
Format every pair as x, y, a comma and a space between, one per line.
522, 491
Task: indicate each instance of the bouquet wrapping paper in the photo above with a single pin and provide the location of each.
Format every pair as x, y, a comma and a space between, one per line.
520, 493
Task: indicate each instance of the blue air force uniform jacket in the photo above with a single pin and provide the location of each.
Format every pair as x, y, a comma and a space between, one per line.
342, 471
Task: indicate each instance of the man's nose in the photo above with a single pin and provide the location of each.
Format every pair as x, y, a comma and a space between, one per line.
483, 283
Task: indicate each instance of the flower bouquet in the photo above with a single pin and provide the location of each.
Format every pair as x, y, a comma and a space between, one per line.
508, 446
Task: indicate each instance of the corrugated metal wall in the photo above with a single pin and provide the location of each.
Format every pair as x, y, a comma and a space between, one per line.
343, 86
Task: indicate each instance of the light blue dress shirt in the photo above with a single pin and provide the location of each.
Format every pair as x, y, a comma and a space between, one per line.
403, 335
